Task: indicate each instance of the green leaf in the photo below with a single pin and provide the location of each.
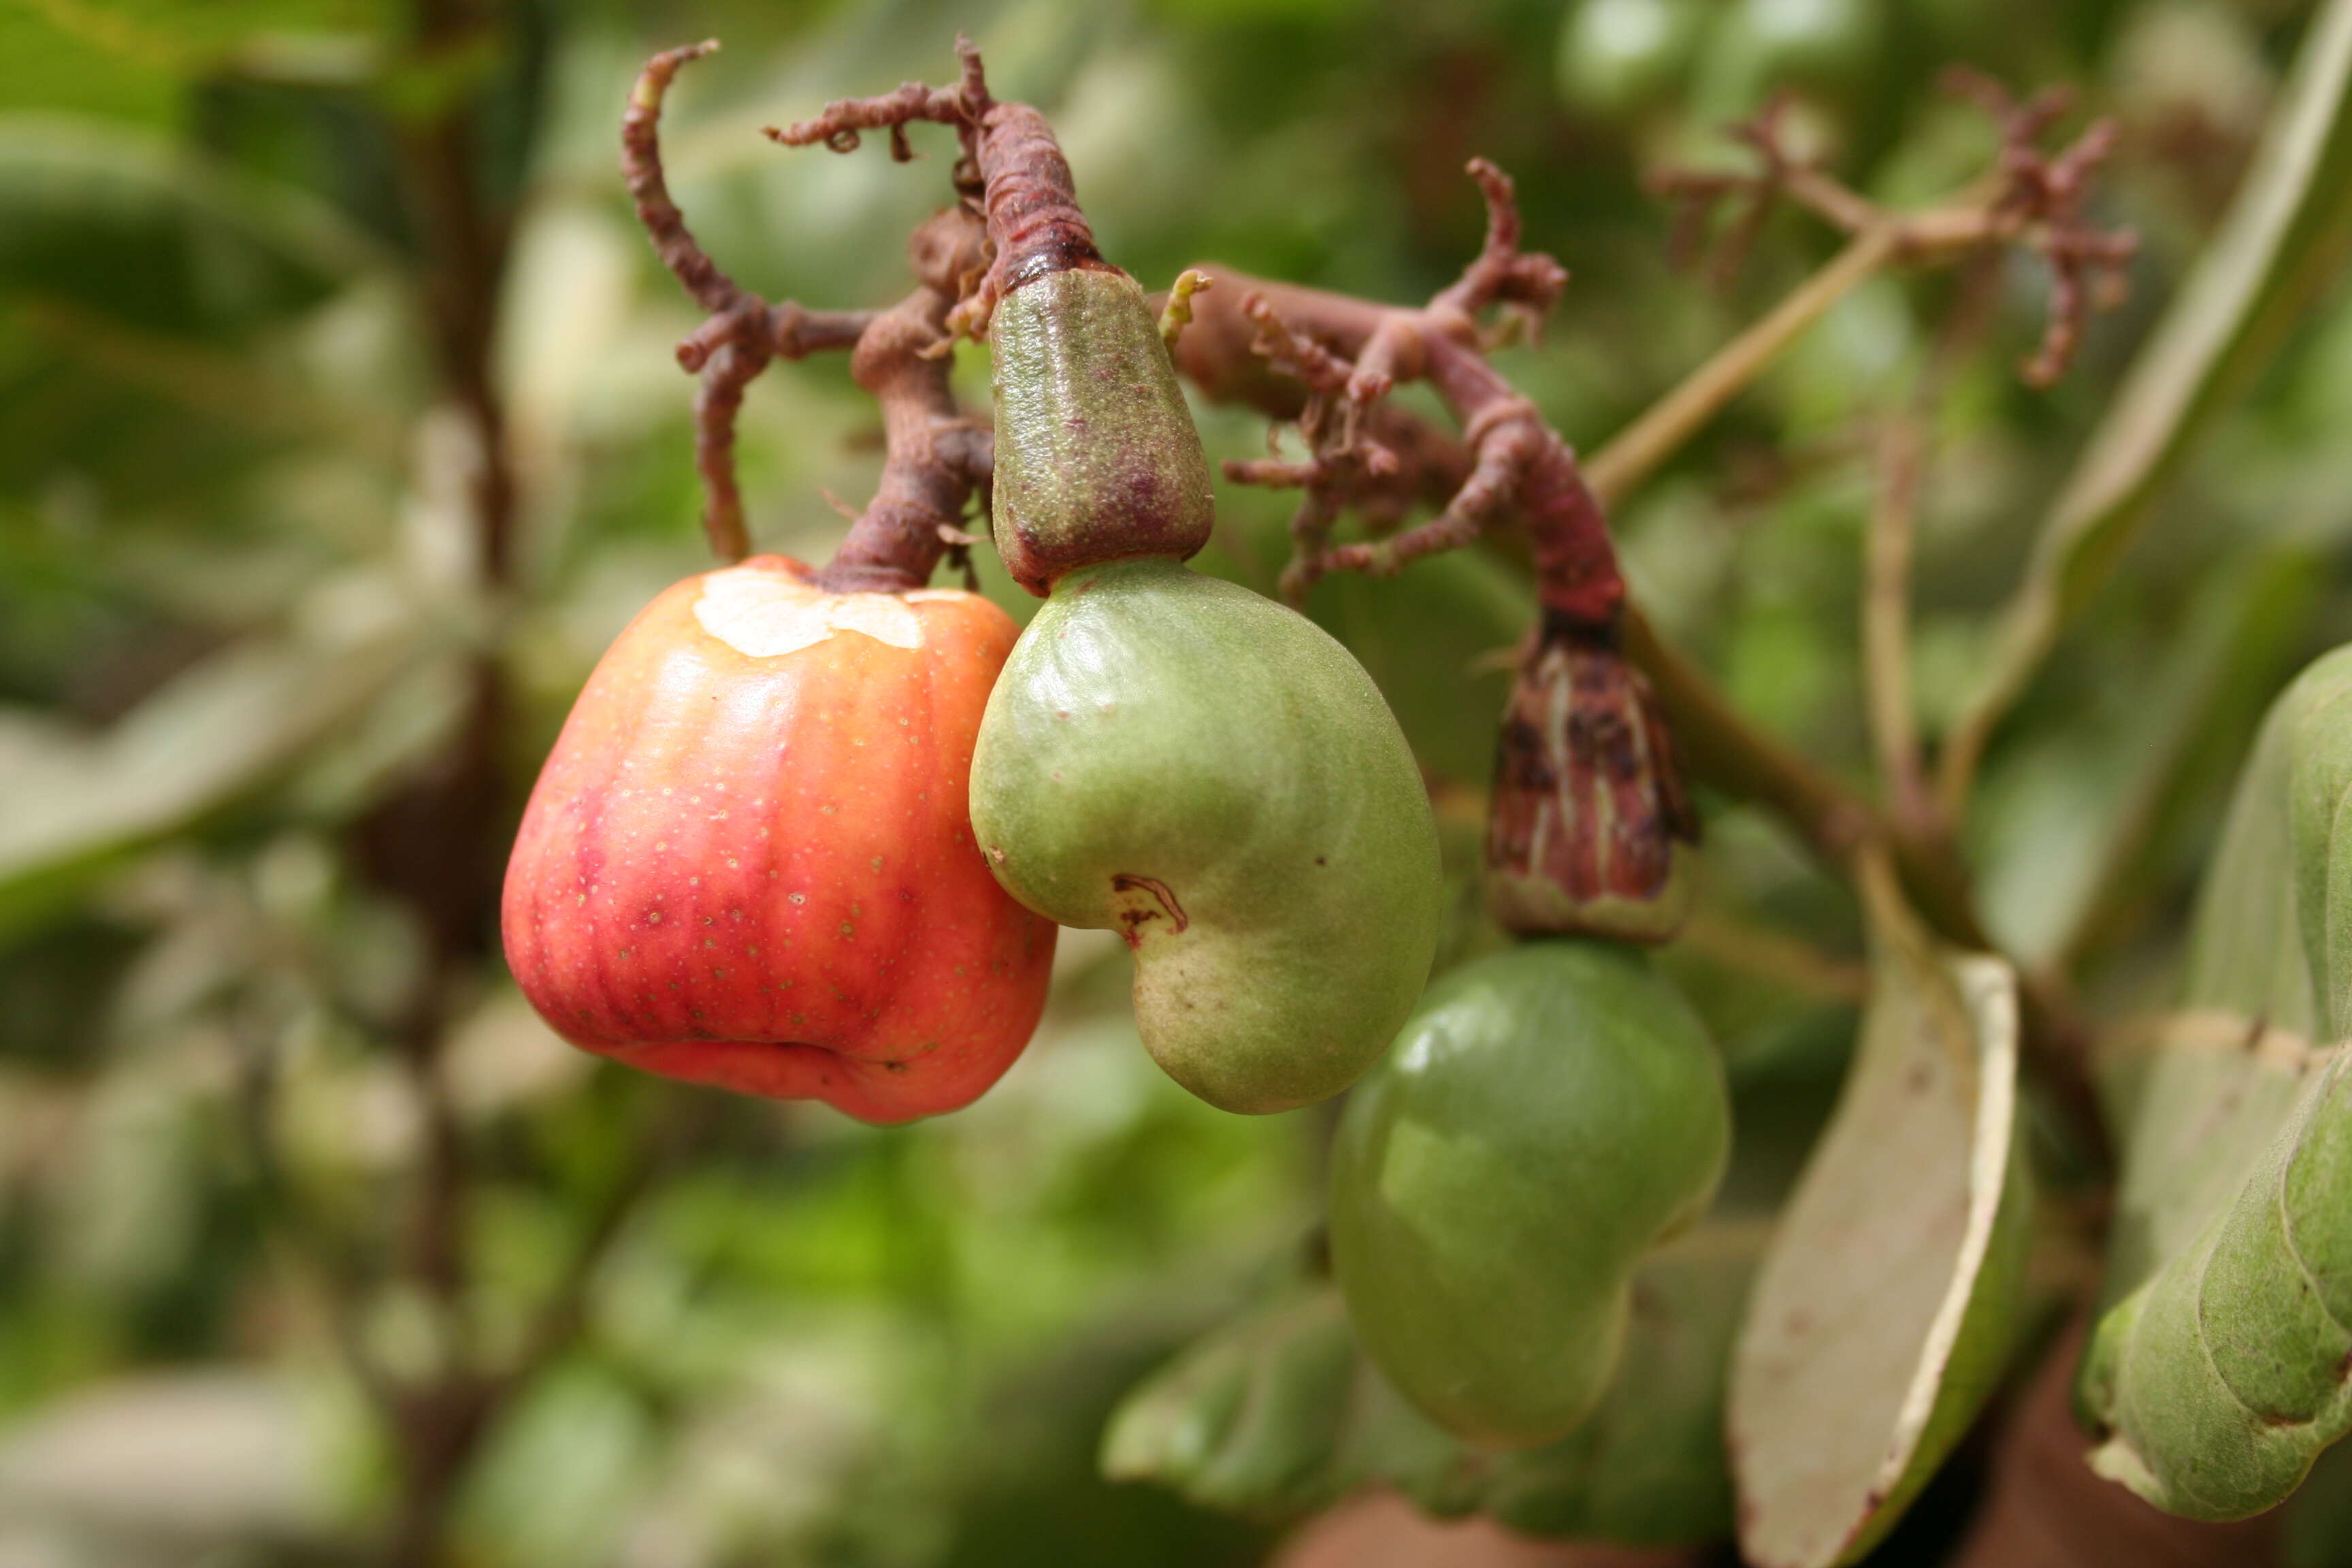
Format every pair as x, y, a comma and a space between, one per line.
1278, 1414
2281, 242
1250, 1419
1888, 1301
2221, 1370
121, 226
2067, 861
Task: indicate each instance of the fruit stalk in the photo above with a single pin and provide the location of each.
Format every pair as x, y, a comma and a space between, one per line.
936, 456
1590, 828
1096, 458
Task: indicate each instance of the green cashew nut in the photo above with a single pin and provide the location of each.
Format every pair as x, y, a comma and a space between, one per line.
1172, 757
1549, 1113
1096, 458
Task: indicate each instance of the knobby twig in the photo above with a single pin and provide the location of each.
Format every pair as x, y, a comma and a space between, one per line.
1322, 360
2030, 199
744, 332
937, 459
1589, 822
1010, 169
1350, 354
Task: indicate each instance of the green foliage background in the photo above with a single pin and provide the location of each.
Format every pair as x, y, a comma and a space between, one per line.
239, 601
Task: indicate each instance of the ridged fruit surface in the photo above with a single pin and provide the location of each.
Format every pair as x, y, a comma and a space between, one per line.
749, 860
1177, 759
1550, 1113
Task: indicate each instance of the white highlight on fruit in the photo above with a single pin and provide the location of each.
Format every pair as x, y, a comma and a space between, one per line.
764, 614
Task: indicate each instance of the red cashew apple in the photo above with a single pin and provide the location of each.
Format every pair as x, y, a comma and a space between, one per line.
750, 861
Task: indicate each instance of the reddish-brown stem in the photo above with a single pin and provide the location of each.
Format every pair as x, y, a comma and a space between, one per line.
936, 457
1012, 168
1515, 461
1032, 200
641, 169
1502, 274
744, 331
2032, 199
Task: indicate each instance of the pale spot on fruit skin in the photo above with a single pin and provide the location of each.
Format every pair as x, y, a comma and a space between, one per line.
796, 898
653, 917
765, 614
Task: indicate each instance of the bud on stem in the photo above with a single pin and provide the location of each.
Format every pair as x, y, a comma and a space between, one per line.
1589, 830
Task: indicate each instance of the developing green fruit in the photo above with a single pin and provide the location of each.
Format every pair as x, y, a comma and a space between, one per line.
1172, 757
1549, 1113
1166, 756
1096, 458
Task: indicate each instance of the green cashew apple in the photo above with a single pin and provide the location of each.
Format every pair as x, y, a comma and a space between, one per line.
1172, 757
1549, 1113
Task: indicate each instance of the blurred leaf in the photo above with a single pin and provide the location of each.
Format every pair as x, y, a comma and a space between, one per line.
128, 226
2220, 1373
1037, 1494
1887, 1302
2072, 824
214, 733
1278, 1414
1249, 1420
562, 1471
2285, 233
206, 1456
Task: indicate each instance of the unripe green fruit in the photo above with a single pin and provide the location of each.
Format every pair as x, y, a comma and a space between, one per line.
1549, 1113
1175, 758
1097, 457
